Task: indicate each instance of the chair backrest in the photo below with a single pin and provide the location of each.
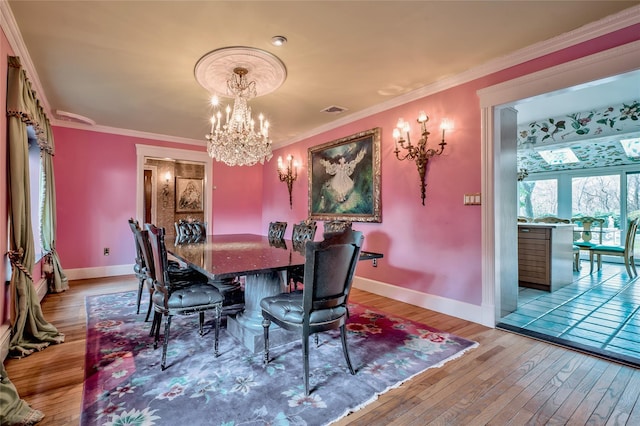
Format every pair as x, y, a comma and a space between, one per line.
550, 219
142, 238
630, 239
159, 256
276, 230
334, 226
135, 227
329, 268
190, 228
303, 232
589, 224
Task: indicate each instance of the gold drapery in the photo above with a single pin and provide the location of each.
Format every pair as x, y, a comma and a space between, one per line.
29, 329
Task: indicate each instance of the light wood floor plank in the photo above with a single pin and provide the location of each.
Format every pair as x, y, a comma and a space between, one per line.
508, 379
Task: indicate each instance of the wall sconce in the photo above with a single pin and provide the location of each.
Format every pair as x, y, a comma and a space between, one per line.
165, 190
288, 174
418, 153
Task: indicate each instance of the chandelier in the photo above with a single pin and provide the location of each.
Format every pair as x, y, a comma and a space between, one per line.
240, 73
236, 141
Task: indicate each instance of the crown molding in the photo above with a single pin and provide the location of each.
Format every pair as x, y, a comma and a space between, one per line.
12, 32
611, 23
608, 24
127, 132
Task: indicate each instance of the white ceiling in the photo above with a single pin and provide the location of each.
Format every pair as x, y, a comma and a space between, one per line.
129, 64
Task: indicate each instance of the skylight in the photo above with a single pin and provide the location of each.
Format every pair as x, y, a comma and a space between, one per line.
631, 147
559, 156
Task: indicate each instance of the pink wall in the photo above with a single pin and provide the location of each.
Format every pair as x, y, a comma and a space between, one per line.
96, 189
436, 248
237, 199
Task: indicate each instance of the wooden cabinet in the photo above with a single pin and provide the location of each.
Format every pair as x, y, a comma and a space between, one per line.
545, 255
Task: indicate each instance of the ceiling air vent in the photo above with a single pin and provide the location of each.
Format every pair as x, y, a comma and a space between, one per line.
334, 109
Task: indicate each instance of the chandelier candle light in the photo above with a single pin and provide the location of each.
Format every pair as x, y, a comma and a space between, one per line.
288, 173
236, 140
418, 153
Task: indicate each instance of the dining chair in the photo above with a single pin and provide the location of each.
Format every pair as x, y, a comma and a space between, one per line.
625, 251
138, 268
322, 305
276, 230
302, 232
190, 228
583, 239
178, 297
335, 226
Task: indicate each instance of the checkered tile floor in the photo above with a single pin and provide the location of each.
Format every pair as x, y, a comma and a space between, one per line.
598, 313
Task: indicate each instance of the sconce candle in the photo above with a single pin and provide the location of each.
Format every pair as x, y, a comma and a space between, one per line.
418, 153
288, 174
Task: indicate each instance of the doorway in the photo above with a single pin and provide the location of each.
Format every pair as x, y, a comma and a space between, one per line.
499, 171
196, 164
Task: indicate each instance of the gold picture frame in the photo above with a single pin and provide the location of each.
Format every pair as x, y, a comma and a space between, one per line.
344, 179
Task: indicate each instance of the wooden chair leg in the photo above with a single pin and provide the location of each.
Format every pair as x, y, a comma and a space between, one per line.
167, 327
140, 285
216, 344
305, 356
345, 349
265, 325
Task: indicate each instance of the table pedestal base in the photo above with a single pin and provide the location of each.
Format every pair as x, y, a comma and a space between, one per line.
254, 339
246, 326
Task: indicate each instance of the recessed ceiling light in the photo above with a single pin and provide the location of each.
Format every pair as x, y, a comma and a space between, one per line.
278, 40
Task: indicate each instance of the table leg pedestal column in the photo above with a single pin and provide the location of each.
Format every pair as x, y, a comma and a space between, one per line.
246, 326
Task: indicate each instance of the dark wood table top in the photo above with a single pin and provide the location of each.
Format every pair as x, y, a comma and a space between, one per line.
228, 256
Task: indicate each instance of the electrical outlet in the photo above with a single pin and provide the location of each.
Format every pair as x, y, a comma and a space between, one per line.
375, 263
106, 251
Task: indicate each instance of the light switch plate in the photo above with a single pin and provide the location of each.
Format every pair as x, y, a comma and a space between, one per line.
472, 199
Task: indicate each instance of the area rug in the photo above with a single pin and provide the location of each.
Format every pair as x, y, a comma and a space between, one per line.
124, 383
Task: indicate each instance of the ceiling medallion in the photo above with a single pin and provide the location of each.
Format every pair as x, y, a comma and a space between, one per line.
240, 73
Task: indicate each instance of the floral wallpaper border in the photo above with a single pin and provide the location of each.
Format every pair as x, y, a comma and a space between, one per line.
579, 127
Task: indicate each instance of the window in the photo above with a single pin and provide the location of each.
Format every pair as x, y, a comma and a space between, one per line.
538, 198
35, 192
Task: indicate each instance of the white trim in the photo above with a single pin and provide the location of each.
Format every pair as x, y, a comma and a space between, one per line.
143, 151
5, 339
154, 190
98, 272
126, 132
587, 32
5, 331
601, 65
455, 308
41, 288
608, 24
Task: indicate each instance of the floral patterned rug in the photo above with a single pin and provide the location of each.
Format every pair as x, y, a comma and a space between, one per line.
124, 384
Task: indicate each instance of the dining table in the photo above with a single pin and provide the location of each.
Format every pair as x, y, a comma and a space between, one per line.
261, 263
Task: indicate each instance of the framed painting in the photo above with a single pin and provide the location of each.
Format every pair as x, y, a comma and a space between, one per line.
344, 179
189, 195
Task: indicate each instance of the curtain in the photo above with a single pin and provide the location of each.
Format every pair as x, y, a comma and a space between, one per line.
29, 330
56, 277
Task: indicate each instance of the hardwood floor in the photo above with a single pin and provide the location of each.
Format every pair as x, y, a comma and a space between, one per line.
508, 379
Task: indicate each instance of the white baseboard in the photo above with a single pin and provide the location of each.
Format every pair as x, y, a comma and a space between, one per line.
5, 338
5, 330
455, 308
98, 272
